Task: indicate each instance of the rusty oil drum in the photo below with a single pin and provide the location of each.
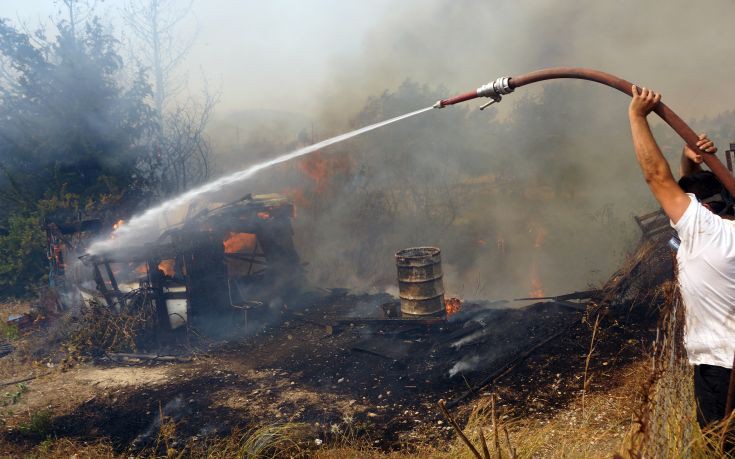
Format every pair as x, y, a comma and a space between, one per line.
420, 284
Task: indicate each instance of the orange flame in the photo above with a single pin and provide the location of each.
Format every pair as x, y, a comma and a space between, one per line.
537, 288
321, 169
538, 241
453, 305
115, 227
239, 242
298, 199
167, 266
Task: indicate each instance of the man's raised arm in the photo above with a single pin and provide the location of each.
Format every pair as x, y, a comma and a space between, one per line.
656, 170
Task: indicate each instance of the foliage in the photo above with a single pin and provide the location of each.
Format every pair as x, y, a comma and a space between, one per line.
8, 331
72, 137
11, 398
68, 122
22, 257
40, 424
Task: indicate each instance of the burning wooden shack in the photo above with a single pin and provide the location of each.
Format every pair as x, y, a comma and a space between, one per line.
215, 266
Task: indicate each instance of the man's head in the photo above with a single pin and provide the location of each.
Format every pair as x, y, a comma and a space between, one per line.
708, 190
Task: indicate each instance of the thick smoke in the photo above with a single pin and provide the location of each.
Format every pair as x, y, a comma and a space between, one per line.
534, 196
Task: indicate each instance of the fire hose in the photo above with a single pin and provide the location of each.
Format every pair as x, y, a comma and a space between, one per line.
495, 90
505, 85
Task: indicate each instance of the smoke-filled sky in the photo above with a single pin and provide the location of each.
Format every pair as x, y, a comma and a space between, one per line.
288, 54
555, 166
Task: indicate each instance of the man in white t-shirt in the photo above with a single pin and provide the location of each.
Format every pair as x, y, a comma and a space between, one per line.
706, 262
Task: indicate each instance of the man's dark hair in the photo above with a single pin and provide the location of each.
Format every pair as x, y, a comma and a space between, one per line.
702, 184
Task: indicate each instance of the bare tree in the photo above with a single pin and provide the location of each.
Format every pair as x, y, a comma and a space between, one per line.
182, 156
77, 12
155, 25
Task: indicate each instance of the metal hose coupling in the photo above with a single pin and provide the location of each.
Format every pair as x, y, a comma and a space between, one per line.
494, 90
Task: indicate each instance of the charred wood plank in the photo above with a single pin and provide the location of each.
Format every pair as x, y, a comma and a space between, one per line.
149, 357
583, 295
100, 281
113, 283
371, 352
22, 379
399, 321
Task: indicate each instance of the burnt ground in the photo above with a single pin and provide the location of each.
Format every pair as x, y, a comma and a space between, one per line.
378, 381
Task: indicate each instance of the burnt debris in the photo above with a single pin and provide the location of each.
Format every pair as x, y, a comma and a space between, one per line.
215, 271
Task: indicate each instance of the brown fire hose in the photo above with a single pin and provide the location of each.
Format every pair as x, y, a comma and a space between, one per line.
668, 115
662, 110
502, 86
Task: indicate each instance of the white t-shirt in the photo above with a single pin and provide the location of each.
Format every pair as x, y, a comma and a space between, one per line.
706, 260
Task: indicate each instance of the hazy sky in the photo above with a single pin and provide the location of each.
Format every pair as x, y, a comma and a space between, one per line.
324, 58
287, 54
261, 54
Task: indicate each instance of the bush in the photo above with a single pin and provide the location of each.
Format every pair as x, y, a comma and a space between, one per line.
39, 425
22, 257
8, 331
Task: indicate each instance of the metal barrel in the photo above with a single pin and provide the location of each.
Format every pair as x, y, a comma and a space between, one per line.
420, 283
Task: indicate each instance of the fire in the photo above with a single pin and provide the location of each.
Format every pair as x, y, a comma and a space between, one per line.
538, 240
321, 167
297, 198
167, 266
537, 288
240, 242
453, 305
115, 227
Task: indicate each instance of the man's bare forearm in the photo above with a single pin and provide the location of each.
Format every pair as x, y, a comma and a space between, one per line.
655, 169
653, 164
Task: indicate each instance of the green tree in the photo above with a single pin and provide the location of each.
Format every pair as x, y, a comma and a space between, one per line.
72, 136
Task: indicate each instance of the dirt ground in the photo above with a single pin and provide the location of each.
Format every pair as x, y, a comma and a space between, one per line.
298, 371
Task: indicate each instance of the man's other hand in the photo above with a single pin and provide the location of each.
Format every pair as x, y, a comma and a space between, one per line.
691, 158
642, 104
704, 144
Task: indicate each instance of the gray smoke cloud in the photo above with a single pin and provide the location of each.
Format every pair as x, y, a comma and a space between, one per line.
535, 196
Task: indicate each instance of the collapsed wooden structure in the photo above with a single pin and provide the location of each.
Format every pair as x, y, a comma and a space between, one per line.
216, 265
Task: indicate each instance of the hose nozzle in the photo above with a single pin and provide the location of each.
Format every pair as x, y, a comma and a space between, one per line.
494, 90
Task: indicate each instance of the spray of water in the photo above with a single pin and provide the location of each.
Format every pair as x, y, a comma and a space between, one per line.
140, 228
